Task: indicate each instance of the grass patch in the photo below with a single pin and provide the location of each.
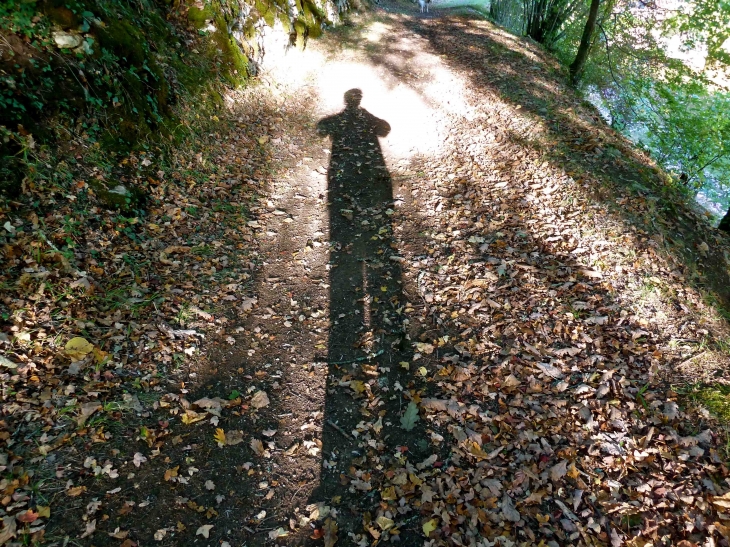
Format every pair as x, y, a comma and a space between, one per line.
715, 398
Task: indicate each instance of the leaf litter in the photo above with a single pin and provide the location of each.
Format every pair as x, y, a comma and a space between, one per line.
540, 391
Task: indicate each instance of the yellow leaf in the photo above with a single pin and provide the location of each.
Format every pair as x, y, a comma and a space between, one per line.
43, 511
422, 371
573, 472
476, 451
405, 364
357, 386
384, 288
429, 527
76, 491
78, 348
171, 473
220, 436
190, 417
99, 356
388, 493
414, 479
264, 139
384, 522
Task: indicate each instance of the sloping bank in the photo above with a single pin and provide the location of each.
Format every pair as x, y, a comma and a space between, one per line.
115, 75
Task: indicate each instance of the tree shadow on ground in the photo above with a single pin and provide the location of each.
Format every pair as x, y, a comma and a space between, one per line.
568, 133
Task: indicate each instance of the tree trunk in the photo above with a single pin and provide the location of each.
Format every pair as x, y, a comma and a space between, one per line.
585, 42
725, 222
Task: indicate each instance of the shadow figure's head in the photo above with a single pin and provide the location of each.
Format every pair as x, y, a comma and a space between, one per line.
353, 98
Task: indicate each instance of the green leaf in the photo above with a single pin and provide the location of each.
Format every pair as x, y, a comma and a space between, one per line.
410, 417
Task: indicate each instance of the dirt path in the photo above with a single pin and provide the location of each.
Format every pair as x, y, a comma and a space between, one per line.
454, 333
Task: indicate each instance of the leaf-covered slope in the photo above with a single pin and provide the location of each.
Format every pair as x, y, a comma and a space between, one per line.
114, 73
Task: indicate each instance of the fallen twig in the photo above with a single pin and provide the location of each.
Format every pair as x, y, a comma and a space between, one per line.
358, 359
338, 428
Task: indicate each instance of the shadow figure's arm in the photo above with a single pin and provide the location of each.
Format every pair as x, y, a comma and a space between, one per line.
382, 128
326, 126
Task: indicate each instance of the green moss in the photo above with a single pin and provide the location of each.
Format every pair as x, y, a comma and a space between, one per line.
301, 29
232, 63
266, 10
286, 23
713, 397
122, 39
199, 18
139, 68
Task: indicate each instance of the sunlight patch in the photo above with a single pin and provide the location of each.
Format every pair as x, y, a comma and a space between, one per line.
376, 31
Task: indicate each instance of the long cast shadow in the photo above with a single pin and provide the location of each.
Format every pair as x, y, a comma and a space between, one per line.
367, 338
360, 193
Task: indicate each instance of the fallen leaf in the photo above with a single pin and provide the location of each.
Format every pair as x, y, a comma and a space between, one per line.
204, 530
429, 526
9, 529
43, 511
119, 534
75, 491
558, 470
410, 417
220, 437
90, 529
171, 473
257, 446
86, 411
511, 382
330, 532
260, 400
234, 437
278, 533
508, 509
27, 516
213, 406
138, 459
424, 348
78, 348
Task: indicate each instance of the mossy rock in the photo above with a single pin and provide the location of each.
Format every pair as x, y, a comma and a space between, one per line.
285, 21
233, 62
63, 17
199, 18
266, 11
300, 28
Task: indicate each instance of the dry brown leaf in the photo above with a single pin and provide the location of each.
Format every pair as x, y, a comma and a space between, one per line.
330, 532
258, 447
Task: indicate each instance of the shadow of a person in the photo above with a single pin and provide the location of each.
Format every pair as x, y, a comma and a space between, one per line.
360, 194
367, 332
